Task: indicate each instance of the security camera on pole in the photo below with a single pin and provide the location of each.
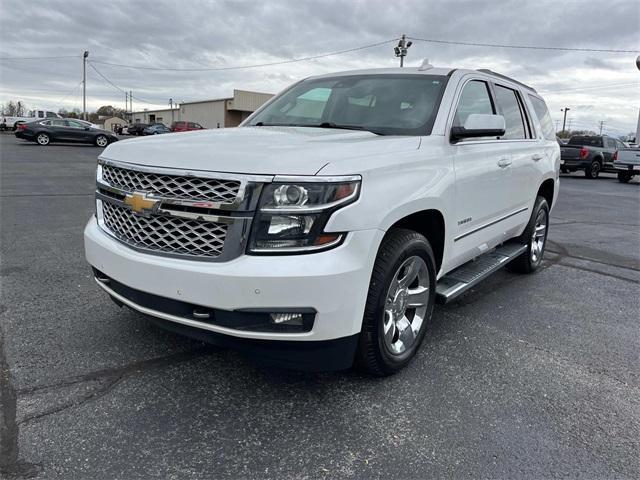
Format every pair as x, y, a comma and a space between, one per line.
401, 49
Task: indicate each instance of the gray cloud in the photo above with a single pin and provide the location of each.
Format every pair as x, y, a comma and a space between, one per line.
221, 33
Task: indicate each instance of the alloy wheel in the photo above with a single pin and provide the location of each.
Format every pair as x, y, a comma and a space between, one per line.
539, 236
43, 139
406, 305
102, 141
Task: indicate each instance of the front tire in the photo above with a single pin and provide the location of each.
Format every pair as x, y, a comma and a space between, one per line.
535, 236
43, 139
593, 170
101, 141
624, 177
399, 304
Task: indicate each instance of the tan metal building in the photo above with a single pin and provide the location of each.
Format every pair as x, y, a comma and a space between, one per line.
110, 123
216, 113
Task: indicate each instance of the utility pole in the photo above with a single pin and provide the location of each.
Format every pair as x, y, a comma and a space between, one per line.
601, 125
171, 107
131, 104
402, 48
564, 120
84, 84
126, 103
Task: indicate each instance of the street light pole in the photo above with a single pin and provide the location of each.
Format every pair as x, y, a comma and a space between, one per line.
402, 48
84, 84
564, 120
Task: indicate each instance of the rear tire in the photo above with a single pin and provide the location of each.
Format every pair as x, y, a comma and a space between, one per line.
593, 170
399, 304
535, 237
624, 177
43, 139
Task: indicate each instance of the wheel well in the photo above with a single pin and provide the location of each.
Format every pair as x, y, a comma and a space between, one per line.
429, 223
546, 191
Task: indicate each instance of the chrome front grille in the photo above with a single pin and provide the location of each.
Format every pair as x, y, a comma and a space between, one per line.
174, 186
165, 233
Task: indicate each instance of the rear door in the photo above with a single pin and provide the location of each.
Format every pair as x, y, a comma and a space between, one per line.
58, 129
525, 150
482, 178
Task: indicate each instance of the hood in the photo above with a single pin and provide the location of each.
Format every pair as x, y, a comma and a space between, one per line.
256, 150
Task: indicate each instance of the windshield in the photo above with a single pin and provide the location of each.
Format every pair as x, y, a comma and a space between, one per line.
402, 104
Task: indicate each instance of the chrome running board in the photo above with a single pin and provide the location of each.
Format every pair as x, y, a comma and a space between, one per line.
471, 273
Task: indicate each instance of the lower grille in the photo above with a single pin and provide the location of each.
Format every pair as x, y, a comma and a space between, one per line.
167, 234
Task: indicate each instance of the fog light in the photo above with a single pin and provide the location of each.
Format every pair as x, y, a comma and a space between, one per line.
286, 318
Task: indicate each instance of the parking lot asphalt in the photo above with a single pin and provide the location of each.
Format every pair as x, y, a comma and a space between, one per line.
533, 376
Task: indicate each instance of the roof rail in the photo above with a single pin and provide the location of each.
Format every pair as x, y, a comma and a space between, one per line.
491, 72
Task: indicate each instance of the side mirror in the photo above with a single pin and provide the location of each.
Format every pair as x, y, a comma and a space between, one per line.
479, 125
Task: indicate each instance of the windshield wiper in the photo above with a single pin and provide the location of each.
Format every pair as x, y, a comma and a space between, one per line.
344, 127
317, 125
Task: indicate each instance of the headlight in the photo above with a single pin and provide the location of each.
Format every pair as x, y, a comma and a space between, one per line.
292, 214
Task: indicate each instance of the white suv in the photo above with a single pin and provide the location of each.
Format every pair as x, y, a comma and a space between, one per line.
323, 229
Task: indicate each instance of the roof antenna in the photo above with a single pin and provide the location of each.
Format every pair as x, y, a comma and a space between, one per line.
425, 65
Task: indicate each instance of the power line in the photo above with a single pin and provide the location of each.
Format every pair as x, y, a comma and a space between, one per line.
114, 85
241, 67
39, 58
70, 93
528, 47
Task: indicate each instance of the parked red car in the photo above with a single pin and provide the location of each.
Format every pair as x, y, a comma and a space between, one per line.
185, 126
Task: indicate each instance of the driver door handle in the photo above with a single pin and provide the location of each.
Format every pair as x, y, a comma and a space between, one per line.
504, 162
536, 156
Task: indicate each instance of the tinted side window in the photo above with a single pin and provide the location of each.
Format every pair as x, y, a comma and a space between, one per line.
475, 98
51, 115
610, 143
509, 108
59, 123
542, 112
73, 124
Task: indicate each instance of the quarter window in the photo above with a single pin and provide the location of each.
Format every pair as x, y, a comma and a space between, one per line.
542, 112
475, 98
509, 108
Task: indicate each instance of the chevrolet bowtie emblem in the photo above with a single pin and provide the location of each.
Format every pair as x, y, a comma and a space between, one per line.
139, 202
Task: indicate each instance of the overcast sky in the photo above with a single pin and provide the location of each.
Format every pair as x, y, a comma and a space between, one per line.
199, 34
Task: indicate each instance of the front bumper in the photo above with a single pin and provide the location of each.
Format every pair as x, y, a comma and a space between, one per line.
334, 283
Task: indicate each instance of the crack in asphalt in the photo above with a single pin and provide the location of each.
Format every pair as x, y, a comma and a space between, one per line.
9, 461
110, 377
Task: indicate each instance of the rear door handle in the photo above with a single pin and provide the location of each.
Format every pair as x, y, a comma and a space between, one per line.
504, 162
536, 156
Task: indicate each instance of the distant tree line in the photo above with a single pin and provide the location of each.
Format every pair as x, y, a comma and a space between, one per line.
16, 108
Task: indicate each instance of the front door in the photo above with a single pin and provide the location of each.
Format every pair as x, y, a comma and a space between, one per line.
77, 131
482, 167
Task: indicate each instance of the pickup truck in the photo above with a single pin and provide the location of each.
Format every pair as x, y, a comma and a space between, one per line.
321, 232
591, 153
627, 164
12, 123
